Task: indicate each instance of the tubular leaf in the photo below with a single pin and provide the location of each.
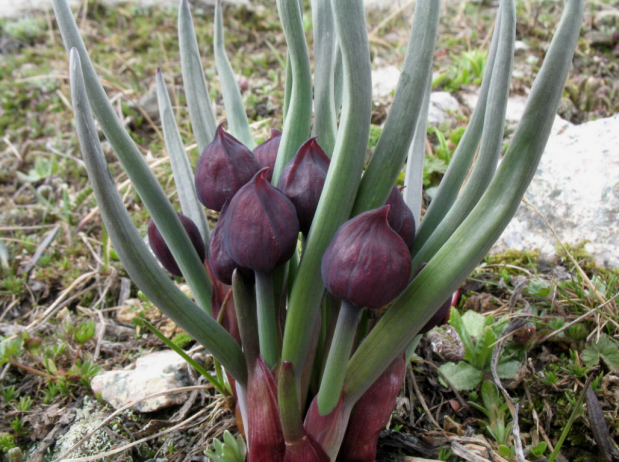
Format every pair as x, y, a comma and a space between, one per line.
145, 183
341, 183
201, 113
299, 110
325, 118
463, 156
399, 129
492, 138
141, 266
237, 118
413, 181
181, 168
461, 253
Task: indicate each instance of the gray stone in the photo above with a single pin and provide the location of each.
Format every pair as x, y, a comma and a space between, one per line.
576, 187
384, 81
519, 45
443, 108
157, 372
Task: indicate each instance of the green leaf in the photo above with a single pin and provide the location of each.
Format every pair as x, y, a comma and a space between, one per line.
483, 349
325, 116
399, 128
297, 123
342, 179
201, 113
181, 167
491, 141
474, 323
606, 349
508, 369
139, 262
237, 117
144, 181
462, 376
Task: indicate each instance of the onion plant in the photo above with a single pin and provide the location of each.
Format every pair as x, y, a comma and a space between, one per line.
310, 288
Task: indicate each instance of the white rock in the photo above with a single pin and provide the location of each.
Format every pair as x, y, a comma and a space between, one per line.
153, 373
443, 108
576, 187
384, 81
519, 45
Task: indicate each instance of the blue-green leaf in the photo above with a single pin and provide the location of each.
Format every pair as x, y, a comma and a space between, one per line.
140, 264
237, 118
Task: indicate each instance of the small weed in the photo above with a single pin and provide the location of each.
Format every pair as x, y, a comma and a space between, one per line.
24, 403
8, 394
497, 412
7, 442
230, 450
478, 334
18, 426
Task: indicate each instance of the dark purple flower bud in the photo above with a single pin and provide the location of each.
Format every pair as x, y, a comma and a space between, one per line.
302, 180
400, 217
163, 252
266, 152
223, 168
367, 263
261, 227
221, 263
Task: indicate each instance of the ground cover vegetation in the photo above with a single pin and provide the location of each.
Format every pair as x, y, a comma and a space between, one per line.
67, 305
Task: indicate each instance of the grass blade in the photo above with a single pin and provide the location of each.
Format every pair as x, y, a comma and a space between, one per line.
141, 266
201, 113
237, 118
145, 183
181, 168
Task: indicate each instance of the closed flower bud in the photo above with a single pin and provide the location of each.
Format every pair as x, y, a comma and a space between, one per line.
162, 251
400, 217
223, 168
367, 263
221, 263
446, 342
302, 180
266, 152
261, 227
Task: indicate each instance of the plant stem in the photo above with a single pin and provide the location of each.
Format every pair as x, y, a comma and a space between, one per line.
267, 319
335, 369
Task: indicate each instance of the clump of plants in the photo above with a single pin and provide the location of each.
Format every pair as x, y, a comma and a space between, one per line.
319, 274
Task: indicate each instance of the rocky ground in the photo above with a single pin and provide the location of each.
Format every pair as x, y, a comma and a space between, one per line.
68, 312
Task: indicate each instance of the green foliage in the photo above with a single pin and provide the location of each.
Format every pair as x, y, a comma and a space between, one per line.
605, 349
230, 450
478, 334
497, 412
8, 394
466, 69
182, 339
6, 441
23, 29
84, 331
43, 168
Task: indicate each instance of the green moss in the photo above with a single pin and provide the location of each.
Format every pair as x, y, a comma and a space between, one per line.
520, 258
